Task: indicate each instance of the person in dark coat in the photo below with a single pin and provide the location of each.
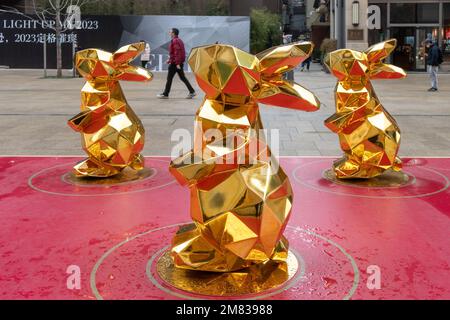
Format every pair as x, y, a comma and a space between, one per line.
306, 64
177, 56
434, 59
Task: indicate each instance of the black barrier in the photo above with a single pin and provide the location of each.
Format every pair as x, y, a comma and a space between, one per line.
22, 39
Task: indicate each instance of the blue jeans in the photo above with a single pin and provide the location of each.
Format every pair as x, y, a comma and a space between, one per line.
433, 70
306, 63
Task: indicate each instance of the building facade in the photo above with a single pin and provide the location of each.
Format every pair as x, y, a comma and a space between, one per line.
188, 7
243, 7
364, 22
412, 23
294, 18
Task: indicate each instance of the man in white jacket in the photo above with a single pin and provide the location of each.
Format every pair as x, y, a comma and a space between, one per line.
145, 56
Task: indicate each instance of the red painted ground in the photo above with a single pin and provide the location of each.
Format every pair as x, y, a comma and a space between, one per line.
114, 234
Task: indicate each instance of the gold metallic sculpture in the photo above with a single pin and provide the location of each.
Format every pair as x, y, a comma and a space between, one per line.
112, 134
254, 279
240, 208
368, 134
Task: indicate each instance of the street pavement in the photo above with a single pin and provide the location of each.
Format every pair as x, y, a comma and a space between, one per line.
34, 111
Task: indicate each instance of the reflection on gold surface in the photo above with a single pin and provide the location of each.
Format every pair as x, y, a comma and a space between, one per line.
368, 134
255, 279
240, 199
390, 178
112, 134
125, 176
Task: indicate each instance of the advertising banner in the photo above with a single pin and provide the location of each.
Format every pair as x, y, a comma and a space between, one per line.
22, 39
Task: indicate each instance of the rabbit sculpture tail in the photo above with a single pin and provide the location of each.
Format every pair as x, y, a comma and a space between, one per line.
368, 134
240, 200
112, 134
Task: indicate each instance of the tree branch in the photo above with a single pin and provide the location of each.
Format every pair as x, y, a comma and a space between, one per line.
7, 9
45, 14
52, 5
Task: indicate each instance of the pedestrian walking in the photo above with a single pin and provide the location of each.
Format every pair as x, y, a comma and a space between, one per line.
306, 63
177, 56
434, 59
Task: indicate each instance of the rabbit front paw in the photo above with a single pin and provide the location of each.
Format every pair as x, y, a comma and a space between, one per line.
88, 168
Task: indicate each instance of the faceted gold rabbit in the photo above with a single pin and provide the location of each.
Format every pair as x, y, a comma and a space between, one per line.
368, 134
240, 200
112, 134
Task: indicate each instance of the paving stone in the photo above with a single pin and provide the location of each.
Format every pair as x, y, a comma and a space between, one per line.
34, 112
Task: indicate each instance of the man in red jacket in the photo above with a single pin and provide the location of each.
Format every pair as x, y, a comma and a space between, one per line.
177, 55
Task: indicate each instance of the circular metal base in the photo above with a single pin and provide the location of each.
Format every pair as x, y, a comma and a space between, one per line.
252, 280
389, 179
125, 176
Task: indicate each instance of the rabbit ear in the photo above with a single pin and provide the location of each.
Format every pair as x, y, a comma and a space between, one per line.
380, 51
327, 61
132, 73
288, 95
275, 61
281, 59
379, 70
386, 71
127, 53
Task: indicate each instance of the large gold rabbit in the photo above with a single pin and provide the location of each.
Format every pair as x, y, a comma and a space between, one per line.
112, 134
368, 134
240, 208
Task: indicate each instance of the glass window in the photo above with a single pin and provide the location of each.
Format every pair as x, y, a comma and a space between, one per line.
427, 13
446, 14
415, 13
404, 54
446, 38
403, 12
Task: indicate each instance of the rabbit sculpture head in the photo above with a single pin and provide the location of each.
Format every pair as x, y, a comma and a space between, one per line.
355, 67
99, 65
368, 134
112, 134
228, 74
234, 81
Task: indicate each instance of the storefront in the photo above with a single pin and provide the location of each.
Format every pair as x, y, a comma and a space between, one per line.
412, 23
446, 35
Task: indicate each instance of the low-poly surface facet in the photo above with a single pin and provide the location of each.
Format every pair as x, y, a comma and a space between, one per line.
112, 134
240, 199
368, 134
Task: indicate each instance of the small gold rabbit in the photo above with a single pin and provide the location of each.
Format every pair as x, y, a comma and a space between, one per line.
112, 134
240, 208
368, 134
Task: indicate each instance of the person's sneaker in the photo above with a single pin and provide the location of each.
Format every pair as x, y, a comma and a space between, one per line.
191, 95
162, 96
432, 89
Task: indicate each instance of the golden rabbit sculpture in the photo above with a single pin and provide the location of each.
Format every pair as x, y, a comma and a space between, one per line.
240, 208
368, 134
112, 134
